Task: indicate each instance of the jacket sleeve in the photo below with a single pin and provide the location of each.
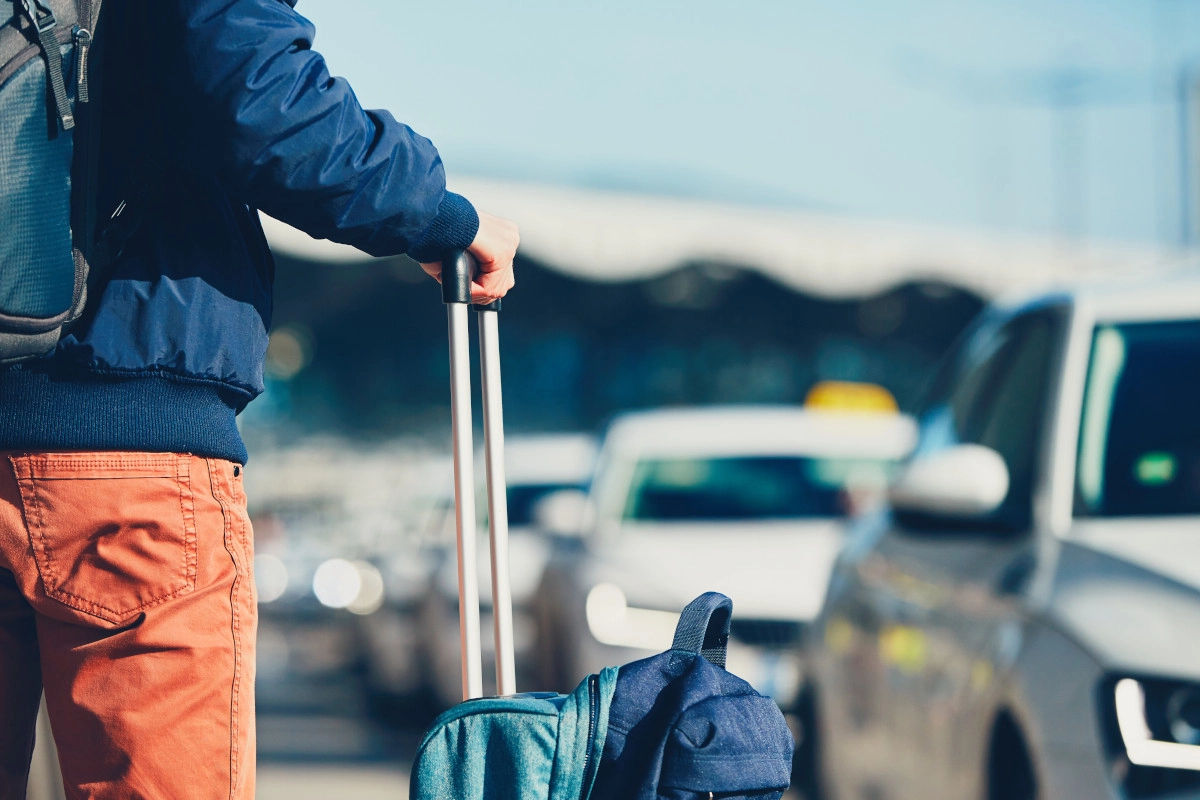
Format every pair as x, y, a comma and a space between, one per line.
294, 141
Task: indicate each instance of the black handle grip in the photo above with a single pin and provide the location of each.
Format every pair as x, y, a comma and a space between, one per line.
457, 269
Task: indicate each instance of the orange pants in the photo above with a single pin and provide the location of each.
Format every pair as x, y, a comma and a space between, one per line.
126, 591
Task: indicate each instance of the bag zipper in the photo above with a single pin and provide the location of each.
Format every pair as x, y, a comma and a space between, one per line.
83, 41
588, 763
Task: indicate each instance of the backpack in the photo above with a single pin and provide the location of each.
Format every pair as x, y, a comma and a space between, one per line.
682, 728
675, 725
45, 229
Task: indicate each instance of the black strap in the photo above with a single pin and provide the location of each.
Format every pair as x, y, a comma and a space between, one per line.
45, 25
703, 627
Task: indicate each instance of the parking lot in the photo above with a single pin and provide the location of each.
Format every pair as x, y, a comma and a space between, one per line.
898, 588
316, 740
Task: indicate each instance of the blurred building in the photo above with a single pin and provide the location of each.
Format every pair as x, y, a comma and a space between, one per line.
629, 301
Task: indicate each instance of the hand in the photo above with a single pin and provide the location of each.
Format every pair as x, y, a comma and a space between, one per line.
494, 247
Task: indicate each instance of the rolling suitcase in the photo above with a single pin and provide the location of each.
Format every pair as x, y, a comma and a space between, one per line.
675, 726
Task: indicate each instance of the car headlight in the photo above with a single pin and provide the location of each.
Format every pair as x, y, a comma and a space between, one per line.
613, 621
1183, 713
1174, 712
1154, 734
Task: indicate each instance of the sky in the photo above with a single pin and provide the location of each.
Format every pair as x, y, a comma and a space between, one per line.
1045, 116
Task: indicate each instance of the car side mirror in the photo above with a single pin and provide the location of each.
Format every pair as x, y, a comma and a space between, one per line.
564, 513
966, 482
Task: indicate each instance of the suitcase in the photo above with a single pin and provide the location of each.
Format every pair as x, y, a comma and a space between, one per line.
681, 726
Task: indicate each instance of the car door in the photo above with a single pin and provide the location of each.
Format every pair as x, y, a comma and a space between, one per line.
942, 592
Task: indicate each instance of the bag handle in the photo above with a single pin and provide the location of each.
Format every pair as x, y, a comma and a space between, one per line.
703, 628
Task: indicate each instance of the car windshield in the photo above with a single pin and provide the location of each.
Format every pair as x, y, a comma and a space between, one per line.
1139, 441
744, 488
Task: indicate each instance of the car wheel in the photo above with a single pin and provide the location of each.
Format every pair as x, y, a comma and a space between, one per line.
1010, 769
804, 759
550, 650
808, 776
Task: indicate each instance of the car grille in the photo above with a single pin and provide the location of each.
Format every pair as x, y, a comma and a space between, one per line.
766, 632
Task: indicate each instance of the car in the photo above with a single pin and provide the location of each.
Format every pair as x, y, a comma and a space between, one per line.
336, 557
390, 638
744, 500
537, 467
1022, 619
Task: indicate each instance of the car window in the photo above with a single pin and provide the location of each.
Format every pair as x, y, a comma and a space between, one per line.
743, 488
1139, 440
1011, 422
973, 363
998, 400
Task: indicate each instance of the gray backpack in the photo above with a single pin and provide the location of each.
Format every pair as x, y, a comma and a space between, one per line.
46, 223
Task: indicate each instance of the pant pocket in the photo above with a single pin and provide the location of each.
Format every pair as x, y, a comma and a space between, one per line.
112, 533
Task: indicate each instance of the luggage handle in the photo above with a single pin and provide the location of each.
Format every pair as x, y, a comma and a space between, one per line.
457, 270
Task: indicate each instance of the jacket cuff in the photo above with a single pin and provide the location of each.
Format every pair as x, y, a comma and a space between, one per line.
453, 228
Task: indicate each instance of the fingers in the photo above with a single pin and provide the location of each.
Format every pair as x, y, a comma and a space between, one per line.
433, 270
494, 249
490, 286
487, 286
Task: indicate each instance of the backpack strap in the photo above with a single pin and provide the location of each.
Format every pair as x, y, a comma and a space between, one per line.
703, 627
42, 18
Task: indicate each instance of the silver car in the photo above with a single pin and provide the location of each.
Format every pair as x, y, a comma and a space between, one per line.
1025, 621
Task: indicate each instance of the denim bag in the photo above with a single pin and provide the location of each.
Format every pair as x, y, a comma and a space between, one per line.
682, 728
673, 726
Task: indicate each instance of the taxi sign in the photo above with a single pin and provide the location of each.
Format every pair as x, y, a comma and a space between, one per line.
852, 397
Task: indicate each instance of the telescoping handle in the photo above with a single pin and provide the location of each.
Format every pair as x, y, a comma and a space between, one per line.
457, 270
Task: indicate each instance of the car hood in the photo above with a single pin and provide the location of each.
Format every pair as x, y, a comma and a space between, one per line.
775, 570
1130, 592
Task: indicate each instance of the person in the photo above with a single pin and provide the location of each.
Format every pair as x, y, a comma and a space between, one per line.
126, 589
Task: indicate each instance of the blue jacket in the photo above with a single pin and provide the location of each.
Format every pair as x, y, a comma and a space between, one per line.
225, 108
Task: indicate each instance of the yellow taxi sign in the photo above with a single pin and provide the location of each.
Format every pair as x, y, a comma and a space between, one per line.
852, 397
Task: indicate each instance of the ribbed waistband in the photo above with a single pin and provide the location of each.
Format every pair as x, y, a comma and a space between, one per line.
43, 413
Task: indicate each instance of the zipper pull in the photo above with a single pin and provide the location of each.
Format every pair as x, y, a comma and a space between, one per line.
83, 40
44, 25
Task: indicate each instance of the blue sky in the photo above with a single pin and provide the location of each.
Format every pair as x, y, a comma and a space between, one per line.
930, 110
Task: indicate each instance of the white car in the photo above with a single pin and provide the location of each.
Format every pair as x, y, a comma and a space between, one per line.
1025, 622
744, 500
